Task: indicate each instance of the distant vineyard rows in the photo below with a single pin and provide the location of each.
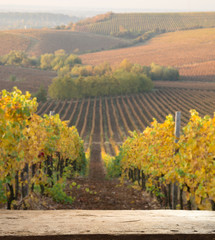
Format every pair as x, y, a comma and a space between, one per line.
108, 120
143, 22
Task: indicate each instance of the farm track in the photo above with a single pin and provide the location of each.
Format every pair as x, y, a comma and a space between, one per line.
104, 123
96, 167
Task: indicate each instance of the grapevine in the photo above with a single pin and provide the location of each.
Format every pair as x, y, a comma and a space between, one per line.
34, 150
189, 163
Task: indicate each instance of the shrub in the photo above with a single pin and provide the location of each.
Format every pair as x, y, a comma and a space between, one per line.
12, 78
41, 94
58, 194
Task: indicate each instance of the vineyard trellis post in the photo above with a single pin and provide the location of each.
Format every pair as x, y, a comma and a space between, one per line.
177, 135
51, 113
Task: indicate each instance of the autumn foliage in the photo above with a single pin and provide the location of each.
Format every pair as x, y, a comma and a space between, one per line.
35, 151
161, 161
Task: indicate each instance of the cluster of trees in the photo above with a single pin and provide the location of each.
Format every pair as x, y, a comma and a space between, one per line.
70, 64
104, 80
137, 36
18, 58
154, 71
115, 83
58, 60
147, 35
76, 80
101, 80
157, 72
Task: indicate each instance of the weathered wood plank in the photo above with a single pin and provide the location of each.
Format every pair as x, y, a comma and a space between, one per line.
81, 224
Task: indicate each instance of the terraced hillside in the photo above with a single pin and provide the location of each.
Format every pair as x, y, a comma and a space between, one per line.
189, 51
113, 24
107, 121
42, 41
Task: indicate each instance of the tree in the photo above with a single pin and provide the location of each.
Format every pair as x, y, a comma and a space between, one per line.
170, 74
41, 94
45, 60
126, 65
156, 72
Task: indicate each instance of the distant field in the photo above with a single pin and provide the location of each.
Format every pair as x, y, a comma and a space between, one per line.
19, 20
27, 79
112, 23
190, 51
110, 119
38, 42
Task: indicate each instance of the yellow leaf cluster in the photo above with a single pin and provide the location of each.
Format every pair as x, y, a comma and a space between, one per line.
190, 162
26, 138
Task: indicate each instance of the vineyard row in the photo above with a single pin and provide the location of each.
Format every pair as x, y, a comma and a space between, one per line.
108, 120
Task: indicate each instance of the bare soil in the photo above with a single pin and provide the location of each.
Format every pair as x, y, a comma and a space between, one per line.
27, 79
189, 51
111, 195
40, 41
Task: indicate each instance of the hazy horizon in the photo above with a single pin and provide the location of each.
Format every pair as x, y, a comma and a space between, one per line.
138, 5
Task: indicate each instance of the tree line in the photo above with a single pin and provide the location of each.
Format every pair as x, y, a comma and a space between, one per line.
105, 80
20, 20
49, 61
76, 80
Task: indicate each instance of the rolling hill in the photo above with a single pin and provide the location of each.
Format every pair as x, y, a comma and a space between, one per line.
189, 51
117, 23
37, 42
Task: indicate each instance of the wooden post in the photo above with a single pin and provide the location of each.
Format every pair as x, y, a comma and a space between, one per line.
51, 113
177, 125
177, 134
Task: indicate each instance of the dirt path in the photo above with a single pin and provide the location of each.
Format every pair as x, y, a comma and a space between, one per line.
110, 195
96, 169
98, 193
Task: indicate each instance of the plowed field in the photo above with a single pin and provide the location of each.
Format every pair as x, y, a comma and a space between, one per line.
189, 51
38, 42
27, 79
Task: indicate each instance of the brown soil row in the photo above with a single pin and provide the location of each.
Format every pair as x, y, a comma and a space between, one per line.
157, 104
